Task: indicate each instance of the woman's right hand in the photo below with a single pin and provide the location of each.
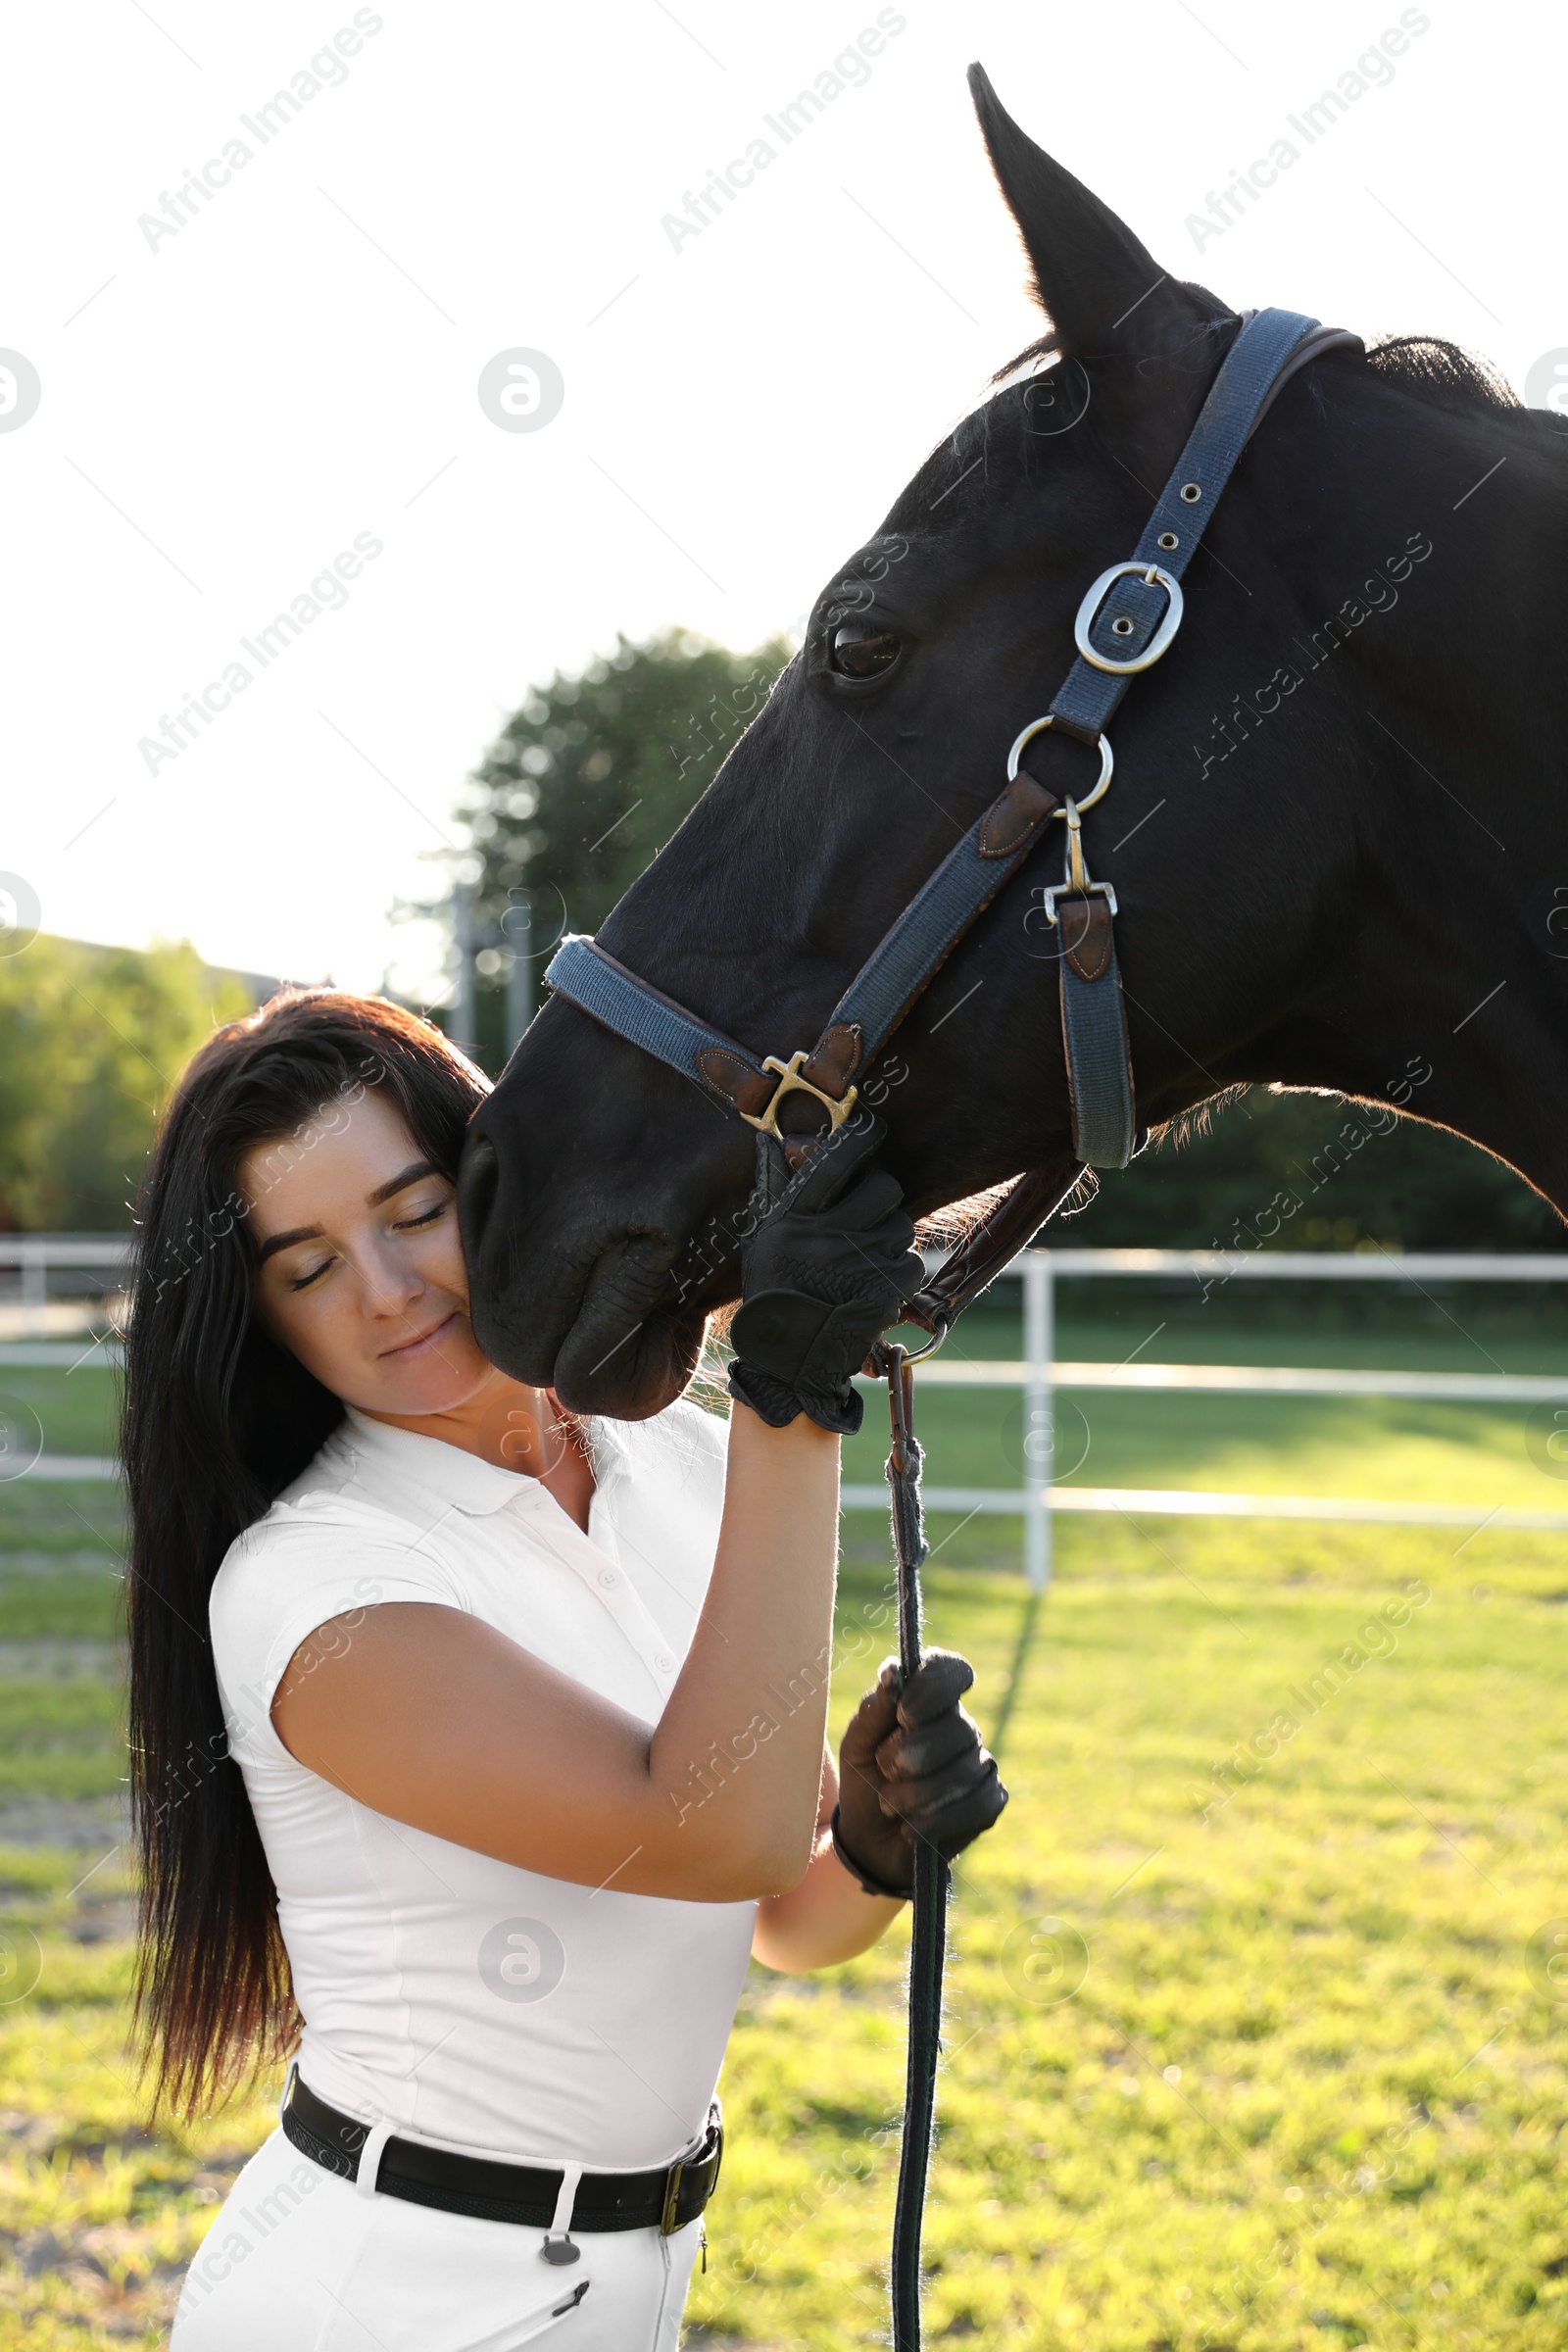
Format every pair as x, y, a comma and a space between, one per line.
828, 1270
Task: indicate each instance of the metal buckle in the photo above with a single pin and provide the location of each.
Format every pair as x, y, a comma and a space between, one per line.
790, 1082
1106, 762
1152, 573
1076, 890
667, 2223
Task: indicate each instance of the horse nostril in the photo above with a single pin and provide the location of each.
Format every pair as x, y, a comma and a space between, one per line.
479, 1181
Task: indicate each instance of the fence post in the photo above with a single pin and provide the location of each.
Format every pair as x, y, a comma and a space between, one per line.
518, 925
35, 1290
1038, 1414
465, 1009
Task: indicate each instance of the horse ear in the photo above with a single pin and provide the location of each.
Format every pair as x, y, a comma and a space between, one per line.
1089, 271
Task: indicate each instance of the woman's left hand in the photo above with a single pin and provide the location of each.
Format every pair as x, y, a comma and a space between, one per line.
911, 1767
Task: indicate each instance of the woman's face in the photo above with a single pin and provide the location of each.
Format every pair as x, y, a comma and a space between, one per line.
361, 1274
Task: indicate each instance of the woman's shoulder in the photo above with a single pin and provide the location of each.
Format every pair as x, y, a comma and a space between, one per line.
327, 1501
328, 1545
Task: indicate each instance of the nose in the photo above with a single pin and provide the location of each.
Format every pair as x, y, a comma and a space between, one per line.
479, 1181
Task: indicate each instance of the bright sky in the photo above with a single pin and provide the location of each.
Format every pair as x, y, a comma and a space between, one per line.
227, 408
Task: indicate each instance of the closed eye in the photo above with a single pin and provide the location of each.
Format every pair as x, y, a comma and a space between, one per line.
423, 1216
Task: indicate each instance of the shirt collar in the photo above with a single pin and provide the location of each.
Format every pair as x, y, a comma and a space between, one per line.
443, 1473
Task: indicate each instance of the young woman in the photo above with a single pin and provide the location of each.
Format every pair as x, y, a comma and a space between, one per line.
475, 1749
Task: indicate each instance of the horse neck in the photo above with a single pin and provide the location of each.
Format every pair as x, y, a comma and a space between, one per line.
1459, 962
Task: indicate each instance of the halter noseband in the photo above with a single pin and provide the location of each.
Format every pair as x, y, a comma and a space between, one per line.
1125, 623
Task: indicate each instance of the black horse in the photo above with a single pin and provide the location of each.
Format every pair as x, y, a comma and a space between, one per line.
1333, 831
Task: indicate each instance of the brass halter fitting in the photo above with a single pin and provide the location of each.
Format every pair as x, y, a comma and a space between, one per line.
790, 1082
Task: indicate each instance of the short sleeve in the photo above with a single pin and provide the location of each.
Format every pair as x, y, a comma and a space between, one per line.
292, 1572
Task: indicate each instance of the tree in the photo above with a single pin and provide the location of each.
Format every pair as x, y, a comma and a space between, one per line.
588, 780
91, 1041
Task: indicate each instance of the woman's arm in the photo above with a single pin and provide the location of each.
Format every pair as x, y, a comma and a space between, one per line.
829, 1917
440, 1721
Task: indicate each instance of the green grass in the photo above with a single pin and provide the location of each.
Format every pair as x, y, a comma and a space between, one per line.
52, 1522
1362, 2145
75, 1408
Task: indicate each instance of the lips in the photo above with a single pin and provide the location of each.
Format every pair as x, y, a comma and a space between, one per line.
407, 1347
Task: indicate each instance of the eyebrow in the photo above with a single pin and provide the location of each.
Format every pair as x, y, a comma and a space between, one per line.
382, 1194
395, 1183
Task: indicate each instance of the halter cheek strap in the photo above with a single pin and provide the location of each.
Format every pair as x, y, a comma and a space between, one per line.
1272, 346
865, 1016
1125, 623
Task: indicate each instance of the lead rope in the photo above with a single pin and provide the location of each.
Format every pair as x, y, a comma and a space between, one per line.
931, 1878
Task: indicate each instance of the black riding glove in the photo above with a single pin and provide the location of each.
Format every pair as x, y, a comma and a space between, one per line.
827, 1271
911, 1767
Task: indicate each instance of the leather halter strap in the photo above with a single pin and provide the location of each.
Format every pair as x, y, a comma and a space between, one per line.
1125, 623
865, 1016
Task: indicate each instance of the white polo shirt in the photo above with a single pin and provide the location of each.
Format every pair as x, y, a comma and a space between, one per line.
475, 2005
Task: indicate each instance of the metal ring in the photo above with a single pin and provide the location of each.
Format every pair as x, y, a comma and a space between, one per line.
1153, 573
1106, 762
913, 1356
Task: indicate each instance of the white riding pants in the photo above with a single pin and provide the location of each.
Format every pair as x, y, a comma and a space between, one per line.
300, 2261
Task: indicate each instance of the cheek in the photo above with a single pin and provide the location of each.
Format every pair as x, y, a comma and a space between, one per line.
318, 1330
439, 1260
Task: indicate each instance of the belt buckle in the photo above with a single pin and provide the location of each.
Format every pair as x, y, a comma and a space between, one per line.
711, 2151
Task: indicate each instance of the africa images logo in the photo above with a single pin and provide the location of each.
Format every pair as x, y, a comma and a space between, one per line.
521, 1960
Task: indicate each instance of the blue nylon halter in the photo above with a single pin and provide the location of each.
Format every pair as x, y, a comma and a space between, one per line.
1121, 624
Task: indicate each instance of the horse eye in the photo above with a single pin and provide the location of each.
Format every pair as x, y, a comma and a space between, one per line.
860, 650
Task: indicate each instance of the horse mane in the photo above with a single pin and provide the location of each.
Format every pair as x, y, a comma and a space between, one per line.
1442, 374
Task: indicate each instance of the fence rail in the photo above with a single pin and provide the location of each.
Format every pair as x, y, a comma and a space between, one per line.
31, 1256
1037, 1374
1193, 1503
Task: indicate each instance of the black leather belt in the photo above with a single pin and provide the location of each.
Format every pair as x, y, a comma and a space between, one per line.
520, 2194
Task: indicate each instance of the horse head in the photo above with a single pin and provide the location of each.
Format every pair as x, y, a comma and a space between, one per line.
1326, 832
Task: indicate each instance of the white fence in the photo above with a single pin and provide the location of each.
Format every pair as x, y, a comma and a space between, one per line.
1039, 1376
27, 1310
39, 1331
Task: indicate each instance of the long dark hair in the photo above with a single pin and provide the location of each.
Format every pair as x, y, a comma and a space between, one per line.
218, 1420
